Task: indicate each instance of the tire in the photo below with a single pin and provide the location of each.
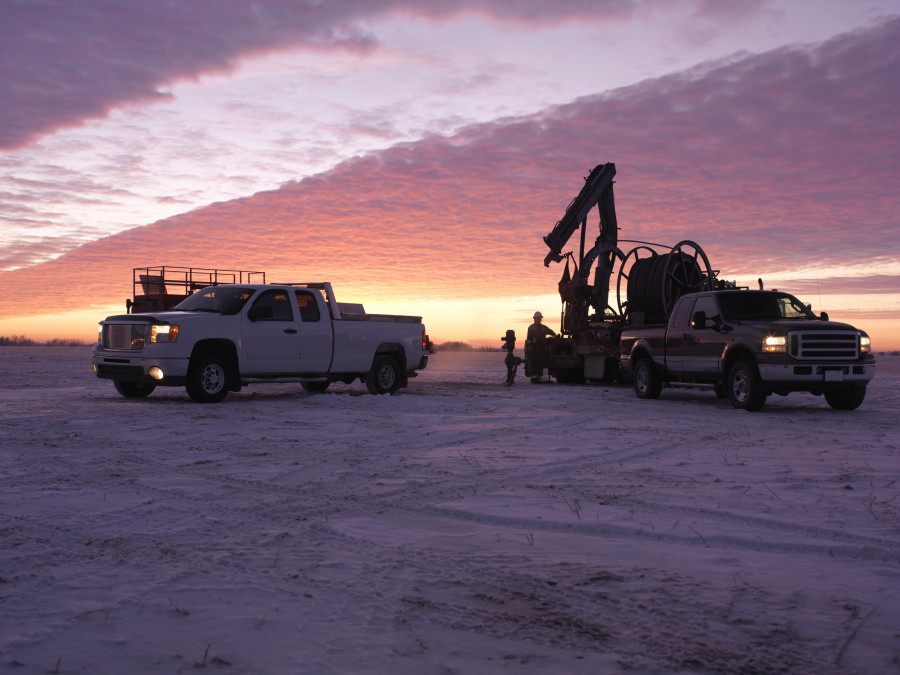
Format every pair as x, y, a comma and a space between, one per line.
745, 388
133, 389
647, 382
849, 397
384, 378
315, 387
208, 379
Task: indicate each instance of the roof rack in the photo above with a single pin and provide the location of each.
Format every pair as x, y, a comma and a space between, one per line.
160, 287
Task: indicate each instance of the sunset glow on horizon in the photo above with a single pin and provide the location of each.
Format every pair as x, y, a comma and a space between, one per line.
402, 153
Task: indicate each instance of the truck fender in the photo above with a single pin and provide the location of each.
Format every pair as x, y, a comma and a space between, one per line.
733, 353
221, 346
397, 352
639, 349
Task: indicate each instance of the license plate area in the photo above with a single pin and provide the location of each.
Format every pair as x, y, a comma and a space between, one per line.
834, 375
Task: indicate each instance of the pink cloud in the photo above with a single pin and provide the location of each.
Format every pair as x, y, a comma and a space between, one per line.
772, 163
65, 62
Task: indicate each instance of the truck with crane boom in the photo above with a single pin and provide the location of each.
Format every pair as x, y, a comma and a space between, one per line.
649, 279
672, 312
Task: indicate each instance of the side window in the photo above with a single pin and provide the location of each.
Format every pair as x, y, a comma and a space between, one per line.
278, 301
682, 315
309, 310
706, 304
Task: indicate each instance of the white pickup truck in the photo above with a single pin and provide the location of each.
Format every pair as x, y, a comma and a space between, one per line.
225, 336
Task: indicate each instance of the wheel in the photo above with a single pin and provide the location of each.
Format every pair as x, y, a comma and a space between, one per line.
133, 389
384, 378
745, 388
315, 387
207, 380
647, 382
846, 398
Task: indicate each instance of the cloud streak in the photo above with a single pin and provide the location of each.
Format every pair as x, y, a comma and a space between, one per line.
778, 162
62, 63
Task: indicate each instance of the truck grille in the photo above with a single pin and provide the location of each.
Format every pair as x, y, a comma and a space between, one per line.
824, 345
124, 335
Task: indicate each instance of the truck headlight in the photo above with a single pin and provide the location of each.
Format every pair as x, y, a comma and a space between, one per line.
775, 343
164, 333
865, 344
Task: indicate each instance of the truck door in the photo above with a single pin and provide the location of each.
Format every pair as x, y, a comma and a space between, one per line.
704, 346
675, 335
270, 335
315, 333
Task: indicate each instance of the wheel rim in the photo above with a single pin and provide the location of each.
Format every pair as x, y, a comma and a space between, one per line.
740, 386
642, 378
386, 377
212, 379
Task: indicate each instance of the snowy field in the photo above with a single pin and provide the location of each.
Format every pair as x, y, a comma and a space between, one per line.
461, 526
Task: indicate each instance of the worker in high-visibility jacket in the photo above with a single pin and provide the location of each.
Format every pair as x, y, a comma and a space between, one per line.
537, 353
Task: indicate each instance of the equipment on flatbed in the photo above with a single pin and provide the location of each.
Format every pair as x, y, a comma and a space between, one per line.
161, 287
654, 283
650, 279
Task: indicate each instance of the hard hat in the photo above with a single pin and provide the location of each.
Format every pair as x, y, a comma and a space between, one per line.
538, 315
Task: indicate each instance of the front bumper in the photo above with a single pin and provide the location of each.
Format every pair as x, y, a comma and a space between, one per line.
818, 375
129, 367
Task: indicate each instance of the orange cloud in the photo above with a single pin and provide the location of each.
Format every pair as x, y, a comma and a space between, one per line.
776, 162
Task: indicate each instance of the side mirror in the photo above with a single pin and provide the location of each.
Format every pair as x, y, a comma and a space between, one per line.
698, 320
824, 316
261, 312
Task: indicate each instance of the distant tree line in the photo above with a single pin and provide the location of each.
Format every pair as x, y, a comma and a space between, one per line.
457, 346
22, 341
15, 341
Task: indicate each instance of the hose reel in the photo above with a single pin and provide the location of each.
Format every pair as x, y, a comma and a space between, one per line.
654, 281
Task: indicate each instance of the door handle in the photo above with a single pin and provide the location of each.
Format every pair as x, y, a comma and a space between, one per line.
290, 330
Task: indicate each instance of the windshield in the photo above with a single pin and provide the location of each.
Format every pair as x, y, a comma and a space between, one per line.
762, 305
219, 299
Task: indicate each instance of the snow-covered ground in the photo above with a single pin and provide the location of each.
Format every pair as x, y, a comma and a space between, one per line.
459, 526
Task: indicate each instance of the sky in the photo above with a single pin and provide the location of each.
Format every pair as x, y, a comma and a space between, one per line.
415, 153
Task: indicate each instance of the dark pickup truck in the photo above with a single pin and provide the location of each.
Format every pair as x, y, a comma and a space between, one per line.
750, 344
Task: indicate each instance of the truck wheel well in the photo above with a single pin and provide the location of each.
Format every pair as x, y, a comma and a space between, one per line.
637, 355
219, 346
396, 352
735, 355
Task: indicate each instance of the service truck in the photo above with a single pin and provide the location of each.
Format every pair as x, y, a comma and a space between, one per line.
748, 344
225, 336
668, 318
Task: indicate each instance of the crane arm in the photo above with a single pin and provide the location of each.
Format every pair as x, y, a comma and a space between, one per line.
595, 185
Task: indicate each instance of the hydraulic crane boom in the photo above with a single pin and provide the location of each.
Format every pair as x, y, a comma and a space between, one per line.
588, 346
597, 190
577, 293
